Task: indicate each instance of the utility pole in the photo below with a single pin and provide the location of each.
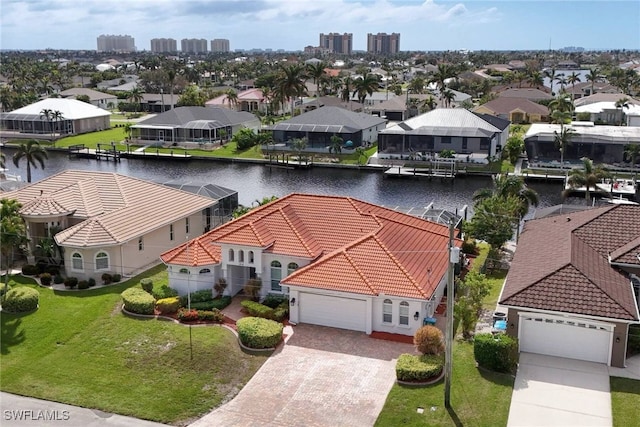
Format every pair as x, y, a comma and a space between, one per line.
454, 258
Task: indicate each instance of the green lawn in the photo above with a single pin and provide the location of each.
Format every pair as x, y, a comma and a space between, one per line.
496, 279
91, 140
478, 398
78, 348
625, 402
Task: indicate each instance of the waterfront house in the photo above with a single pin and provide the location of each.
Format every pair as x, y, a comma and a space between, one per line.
570, 291
532, 94
364, 267
516, 110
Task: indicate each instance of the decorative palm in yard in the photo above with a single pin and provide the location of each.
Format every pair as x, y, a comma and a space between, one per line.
290, 83
364, 86
509, 185
588, 176
33, 153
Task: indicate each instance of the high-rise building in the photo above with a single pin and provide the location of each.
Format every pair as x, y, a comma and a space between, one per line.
193, 45
219, 45
164, 45
113, 43
337, 43
383, 43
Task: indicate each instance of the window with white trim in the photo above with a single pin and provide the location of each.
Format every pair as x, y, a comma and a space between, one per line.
291, 268
205, 271
387, 311
250, 257
76, 261
184, 271
276, 276
404, 313
102, 261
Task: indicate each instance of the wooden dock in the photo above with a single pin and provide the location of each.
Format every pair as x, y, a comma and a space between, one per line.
285, 162
100, 153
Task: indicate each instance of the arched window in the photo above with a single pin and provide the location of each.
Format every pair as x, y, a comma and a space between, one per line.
76, 261
276, 276
102, 261
250, 257
387, 311
404, 313
291, 268
241, 256
184, 270
231, 255
205, 271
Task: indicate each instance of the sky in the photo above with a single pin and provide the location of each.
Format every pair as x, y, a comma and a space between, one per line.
294, 24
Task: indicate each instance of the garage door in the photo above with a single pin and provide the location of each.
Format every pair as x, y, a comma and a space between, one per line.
562, 337
337, 312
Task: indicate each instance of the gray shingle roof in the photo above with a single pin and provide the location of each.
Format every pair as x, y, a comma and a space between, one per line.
329, 119
180, 116
445, 122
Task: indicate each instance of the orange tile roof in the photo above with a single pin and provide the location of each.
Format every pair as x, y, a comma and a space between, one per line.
353, 246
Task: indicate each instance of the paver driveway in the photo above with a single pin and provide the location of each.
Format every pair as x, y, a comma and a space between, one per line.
552, 391
321, 377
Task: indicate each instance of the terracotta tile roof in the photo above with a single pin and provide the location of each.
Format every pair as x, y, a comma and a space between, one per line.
113, 208
353, 246
562, 263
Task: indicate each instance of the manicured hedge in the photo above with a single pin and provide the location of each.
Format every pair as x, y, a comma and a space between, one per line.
215, 315
168, 305
197, 296
497, 353
411, 367
634, 339
45, 279
256, 309
138, 301
275, 300
20, 300
147, 285
258, 333
163, 291
218, 303
4, 287
29, 270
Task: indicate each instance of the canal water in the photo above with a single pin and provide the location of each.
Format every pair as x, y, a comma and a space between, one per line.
255, 181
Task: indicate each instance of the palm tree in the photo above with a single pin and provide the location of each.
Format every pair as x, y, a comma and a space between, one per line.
551, 75
586, 177
440, 77
336, 144
361, 153
316, 72
32, 152
505, 186
593, 77
448, 96
633, 152
57, 118
290, 83
345, 93
135, 97
562, 81
299, 145
3, 160
562, 141
47, 114
428, 104
535, 79
232, 98
13, 232
562, 103
621, 104
572, 80
364, 86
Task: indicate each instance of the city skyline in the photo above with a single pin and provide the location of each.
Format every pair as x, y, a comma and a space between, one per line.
292, 25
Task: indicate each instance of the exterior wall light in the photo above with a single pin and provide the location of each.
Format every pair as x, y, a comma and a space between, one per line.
293, 302
416, 316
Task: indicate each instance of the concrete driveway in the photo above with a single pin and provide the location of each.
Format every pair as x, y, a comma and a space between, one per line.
321, 377
552, 391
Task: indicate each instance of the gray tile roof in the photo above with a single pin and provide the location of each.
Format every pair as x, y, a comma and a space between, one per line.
445, 122
180, 116
330, 119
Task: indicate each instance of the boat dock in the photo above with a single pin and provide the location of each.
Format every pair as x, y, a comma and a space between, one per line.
441, 169
109, 152
617, 188
285, 162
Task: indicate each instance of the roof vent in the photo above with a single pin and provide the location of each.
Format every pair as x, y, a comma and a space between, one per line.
568, 219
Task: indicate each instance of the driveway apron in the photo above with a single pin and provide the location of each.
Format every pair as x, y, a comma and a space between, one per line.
320, 377
553, 391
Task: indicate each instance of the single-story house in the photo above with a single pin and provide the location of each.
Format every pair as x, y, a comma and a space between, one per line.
584, 89
606, 112
194, 124
444, 129
311, 103
319, 125
157, 102
569, 292
529, 93
604, 97
367, 269
99, 99
516, 110
109, 223
77, 117
602, 144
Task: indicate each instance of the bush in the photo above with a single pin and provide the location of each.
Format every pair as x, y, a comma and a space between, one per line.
29, 270
107, 278
470, 247
168, 305
92, 282
197, 296
256, 309
42, 265
45, 279
218, 303
138, 301
185, 315
214, 315
280, 313
252, 288
4, 287
220, 286
70, 282
163, 291
429, 340
83, 284
633, 346
255, 332
147, 285
273, 300
499, 353
20, 300
411, 367
57, 279
53, 270
116, 278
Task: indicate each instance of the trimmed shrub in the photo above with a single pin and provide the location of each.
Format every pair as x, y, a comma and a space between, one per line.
258, 333
218, 303
280, 313
83, 284
107, 278
138, 301
116, 278
29, 270
274, 301
256, 309
45, 279
185, 315
42, 265
92, 282
497, 353
70, 282
429, 340
4, 287
147, 285
57, 279
633, 346
168, 305
469, 247
252, 288
163, 291
214, 315
411, 367
20, 299
203, 295
52, 270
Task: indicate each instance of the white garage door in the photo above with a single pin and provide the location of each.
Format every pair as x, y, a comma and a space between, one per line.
562, 337
337, 312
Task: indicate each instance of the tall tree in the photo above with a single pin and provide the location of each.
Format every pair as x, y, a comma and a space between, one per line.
535, 79
562, 140
13, 231
448, 96
440, 77
550, 73
593, 76
621, 104
572, 80
33, 154
47, 114
494, 220
364, 86
135, 97
317, 72
290, 83
232, 98
57, 117
587, 176
336, 144
505, 186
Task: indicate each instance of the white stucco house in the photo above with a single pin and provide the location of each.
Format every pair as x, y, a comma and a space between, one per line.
363, 267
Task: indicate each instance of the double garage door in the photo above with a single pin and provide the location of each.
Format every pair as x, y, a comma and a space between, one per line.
563, 337
337, 312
